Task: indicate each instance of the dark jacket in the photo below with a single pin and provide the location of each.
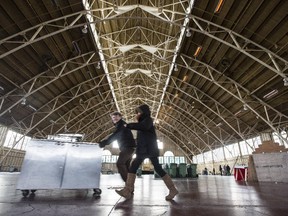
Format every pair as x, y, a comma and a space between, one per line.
123, 136
146, 134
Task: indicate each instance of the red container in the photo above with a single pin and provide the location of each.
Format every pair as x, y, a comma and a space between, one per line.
240, 173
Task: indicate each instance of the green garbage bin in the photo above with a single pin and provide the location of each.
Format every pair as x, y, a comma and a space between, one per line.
139, 172
173, 170
194, 170
182, 170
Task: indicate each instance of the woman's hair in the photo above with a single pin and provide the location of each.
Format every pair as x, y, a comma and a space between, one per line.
116, 113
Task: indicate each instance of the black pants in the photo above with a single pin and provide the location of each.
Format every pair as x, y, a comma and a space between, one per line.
123, 162
138, 161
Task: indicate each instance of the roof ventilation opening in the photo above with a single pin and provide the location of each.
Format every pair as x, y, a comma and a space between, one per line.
46, 57
225, 62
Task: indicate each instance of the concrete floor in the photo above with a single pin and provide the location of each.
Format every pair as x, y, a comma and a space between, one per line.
205, 196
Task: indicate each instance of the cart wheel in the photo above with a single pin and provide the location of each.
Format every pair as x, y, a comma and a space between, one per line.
96, 195
33, 191
97, 191
25, 193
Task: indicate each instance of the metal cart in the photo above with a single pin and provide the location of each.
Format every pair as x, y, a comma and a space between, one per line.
50, 164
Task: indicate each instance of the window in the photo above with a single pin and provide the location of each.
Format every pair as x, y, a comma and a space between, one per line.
114, 158
161, 160
278, 140
168, 153
177, 160
182, 160
160, 144
16, 140
208, 156
168, 157
106, 152
146, 161
106, 156
244, 149
218, 154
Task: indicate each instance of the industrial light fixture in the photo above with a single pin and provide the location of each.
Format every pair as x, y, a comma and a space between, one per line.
219, 124
198, 50
285, 80
271, 94
245, 107
31, 107
76, 47
188, 33
175, 67
185, 78
98, 65
219, 6
237, 113
23, 102
84, 29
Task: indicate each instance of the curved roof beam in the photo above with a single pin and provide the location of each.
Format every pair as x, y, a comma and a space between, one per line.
241, 44
186, 150
198, 96
239, 97
55, 104
177, 48
200, 122
35, 32
69, 72
87, 108
90, 18
185, 136
58, 70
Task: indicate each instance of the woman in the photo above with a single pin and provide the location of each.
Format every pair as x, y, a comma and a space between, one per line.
146, 148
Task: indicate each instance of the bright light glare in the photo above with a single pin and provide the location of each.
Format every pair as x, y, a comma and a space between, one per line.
160, 144
115, 144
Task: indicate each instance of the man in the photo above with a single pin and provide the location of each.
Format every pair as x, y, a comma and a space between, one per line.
125, 141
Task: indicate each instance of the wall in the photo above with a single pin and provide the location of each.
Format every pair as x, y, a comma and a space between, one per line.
270, 162
13, 161
271, 167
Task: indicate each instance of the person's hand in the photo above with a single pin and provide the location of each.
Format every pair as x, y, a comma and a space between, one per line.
125, 125
101, 144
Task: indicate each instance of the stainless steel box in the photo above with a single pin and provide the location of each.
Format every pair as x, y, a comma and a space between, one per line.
52, 164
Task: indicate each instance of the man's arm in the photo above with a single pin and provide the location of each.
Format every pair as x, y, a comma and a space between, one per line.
144, 125
111, 137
